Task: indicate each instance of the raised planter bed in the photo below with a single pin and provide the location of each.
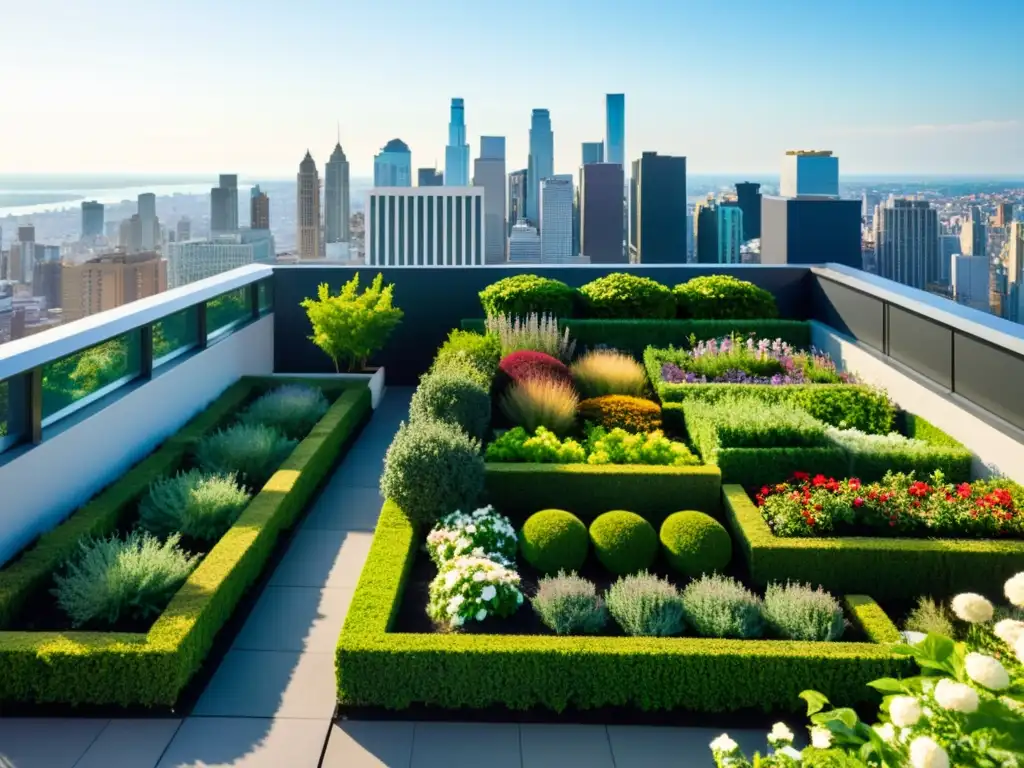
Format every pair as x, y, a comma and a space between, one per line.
373, 377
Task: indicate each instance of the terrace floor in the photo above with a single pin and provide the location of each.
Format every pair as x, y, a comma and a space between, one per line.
271, 701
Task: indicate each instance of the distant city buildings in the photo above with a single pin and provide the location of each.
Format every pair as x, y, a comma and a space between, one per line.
308, 217
92, 219
429, 177
194, 260
906, 235
518, 186
149, 225
1015, 272
748, 196
110, 281
224, 205
615, 129
973, 237
809, 173
524, 243
542, 160
456, 154
556, 220
601, 234
593, 152
336, 198
184, 229
657, 231
1004, 214
392, 166
971, 277
425, 226
259, 211
489, 174
718, 231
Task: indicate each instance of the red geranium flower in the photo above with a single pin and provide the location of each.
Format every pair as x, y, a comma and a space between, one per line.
819, 480
854, 484
858, 502
800, 476
918, 489
964, 490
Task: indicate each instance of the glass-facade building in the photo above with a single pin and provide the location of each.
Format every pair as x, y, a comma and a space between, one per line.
92, 219
593, 152
425, 226
456, 154
542, 160
657, 192
809, 174
392, 166
615, 129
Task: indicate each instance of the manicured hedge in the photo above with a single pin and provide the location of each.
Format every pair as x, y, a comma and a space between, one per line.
150, 670
945, 454
395, 670
886, 568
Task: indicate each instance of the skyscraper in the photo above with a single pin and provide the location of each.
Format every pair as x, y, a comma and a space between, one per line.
1015, 273
110, 281
424, 226
971, 277
718, 231
615, 128
224, 205
811, 230
184, 229
1004, 214
456, 154
658, 210
973, 237
489, 173
601, 213
593, 152
92, 219
748, 195
809, 173
336, 198
149, 227
556, 219
429, 177
517, 194
907, 242
259, 210
392, 166
308, 218
542, 160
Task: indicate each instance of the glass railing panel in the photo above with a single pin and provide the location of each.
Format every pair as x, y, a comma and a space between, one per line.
266, 296
227, 311
174, 335
83, 377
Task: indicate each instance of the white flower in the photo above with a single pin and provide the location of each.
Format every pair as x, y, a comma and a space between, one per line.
470, 528
454, 603
458, 620
481, 615
478, 576
451, 578
904, 711
956, 696
1014, 590
885, 731
972, 608
488, 592
724, 744
821, 738
780, 734
792, 754
1009, 630
986, 671
926, 753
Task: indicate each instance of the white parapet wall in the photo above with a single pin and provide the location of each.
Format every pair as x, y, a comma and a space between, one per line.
994, 451
45, 483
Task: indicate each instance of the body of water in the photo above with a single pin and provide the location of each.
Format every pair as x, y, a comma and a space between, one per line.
72, 198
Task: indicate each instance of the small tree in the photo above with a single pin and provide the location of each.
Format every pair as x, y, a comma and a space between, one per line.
351, 326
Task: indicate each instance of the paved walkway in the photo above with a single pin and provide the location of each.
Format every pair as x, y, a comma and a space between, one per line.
270, 702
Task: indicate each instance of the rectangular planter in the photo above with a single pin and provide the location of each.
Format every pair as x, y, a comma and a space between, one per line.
374, 379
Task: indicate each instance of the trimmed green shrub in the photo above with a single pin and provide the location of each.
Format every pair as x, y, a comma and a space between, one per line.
931, 617
695, 543
193, 504
608, 372
520, 295
569, 605
633, 414
723, 297
623, 541
626, 296
291, 409
871, 456
553, 540
453, 398
544, 447
479, 351
799, 612
647, 448
743, 422
718, 606
115, 578
540, 402
253, 451
848, 407
645, 605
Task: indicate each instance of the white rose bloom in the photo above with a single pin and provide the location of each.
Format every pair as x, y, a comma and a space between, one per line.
463, 543
488, 593
481, 615
904, 711
926, 753
821, 738
478, 576
724, 744
972, 608
451, 578
986, 671
792, 754
1014, 590
1009, 630
780, 734
885, 731
955, 696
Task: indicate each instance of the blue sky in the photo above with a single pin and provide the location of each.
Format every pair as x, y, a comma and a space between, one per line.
904, 86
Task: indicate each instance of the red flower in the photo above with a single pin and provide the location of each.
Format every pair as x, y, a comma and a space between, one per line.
765, 490
1002, 497
858, 502
917, 505
819, 480
817, 507
854, 484
918, 489
892, 523
872, 494
964, 490
800, 476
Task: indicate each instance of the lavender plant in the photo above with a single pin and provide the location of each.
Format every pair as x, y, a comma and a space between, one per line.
798, 612
718, 606
570, 605
645, 605
194, 504
293, 410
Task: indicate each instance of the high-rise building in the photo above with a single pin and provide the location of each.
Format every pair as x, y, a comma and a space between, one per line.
948, 245
556, 219
593, 152
657, 191
718, 231
92, 219
542, 160
110, 281
869, 201
425, 226
971, 277
429, 177
973, 237
524, 244
615, 128
259, 209
149, 225
199, 259
1004, 214
392, 166
518, 188
809, 173
46, 283
336, 198
224, 204
601, 213
748, 195
489, 174
907, 242
810, 230
456, 154
23, 258
1015, 272
184, 229
308, 218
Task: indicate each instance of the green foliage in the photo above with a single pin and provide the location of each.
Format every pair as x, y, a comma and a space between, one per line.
872, 456
627, 296
78, 375
193, 504
645, 605
608, 372
553, 540
634, 414
352, 326
540, 402
447, 396
651, 448
724, 297
797, 612
623, 541
522, 295
569, 605
848, 407
112, 579
253, 451
480, 351
432, 468
534, 333
695, 543
291, 409
542, 448
718, 606
929, 616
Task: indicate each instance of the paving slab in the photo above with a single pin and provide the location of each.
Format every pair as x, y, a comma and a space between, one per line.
466, 745
365, 744
323, 558
130, 743
655, 747
360, 468
295, 619
46, 742
346, 509
557, 746
232, 742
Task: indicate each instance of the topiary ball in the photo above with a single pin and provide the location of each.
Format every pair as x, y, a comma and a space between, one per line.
624, 542
553, 540
695, 543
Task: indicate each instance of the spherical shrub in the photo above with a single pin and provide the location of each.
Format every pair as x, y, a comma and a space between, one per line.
522, 295
459, 399
528, 364
717, 606
253, 451
194, 504
644, 605
569, 605
471, 589
695, 543
432, 468
623, 541
627, 297
633, 414
553, 540
480, 351
609, 372
716, 297
293, 410
480, 533
540, 402
798, 612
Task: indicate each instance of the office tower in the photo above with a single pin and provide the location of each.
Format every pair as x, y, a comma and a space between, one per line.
601, 213
336, 198
456, 154
691, 250
971, 281
748, 195
718, 231
308, 218
110, 281
524, 244
907, 242
1015, 272
46, 281
425, 226
489, 174
1004, 214
556, 219
392, 166
810, 230
593, 152
809, 173
429, 177
948, 245
259, 209
518, 188
184, 229
224, 204
869, 201
657, 190
149, 227
23, 260
615, 128
92, 219
199, 259
542, 160
973, 237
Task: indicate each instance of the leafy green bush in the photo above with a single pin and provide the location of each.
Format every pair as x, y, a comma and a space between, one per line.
695, 543
627, 296
540, 402
553, 540
864, 408
455, 398
253, 451
634, 414
193, 504
797, 612
432, 468
607, 372
293, 410
645, 605
871, 456
352, 326
521, 295
718, 606
480, 351
569, 605
112, 579
623, 541
542, 448
930, 617
724, 297
650, 448
533, 333
743, 422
